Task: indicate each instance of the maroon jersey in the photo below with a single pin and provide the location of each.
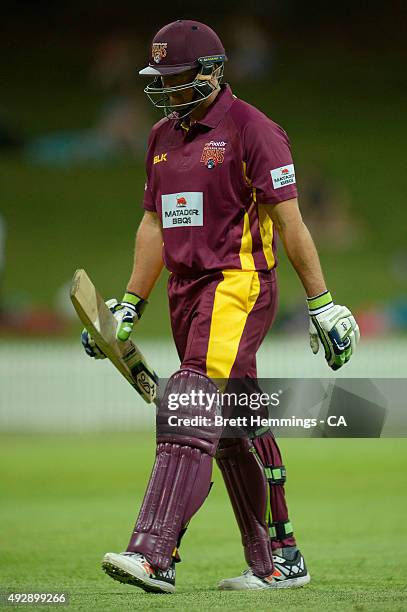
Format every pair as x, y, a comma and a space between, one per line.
212, 186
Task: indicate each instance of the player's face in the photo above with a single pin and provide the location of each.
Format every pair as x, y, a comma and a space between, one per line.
184, 96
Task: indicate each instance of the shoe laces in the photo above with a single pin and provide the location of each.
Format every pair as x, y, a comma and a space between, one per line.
134, 554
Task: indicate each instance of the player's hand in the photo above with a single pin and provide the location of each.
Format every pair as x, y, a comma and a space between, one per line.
88, 343
335, 327
90, 346
127, 313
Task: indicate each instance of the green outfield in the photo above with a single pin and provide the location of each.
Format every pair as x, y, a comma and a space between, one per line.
68, 499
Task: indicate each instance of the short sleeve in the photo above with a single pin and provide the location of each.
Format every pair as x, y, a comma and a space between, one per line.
269, 163
149, 201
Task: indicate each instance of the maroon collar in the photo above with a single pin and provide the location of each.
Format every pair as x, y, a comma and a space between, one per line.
217, 109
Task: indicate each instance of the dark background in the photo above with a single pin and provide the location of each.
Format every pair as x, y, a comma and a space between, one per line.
333, 76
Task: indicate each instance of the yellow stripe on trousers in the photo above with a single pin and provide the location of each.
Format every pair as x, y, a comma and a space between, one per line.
234, 299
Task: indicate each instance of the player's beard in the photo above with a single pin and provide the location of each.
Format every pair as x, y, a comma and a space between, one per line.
174, 111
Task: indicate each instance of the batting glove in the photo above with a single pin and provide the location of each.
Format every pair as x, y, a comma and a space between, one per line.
88, 342
127, 313
335, 327
90, 346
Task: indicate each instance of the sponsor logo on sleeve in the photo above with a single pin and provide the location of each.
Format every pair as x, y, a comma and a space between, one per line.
159, 51
182, 209
283, 176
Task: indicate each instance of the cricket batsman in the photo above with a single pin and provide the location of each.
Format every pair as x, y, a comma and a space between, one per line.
220, 184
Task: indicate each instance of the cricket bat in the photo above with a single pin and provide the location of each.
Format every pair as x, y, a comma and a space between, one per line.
101, 324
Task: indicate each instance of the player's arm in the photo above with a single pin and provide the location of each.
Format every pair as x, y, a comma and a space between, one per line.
147, 267
148, 261
299, 245
332, 324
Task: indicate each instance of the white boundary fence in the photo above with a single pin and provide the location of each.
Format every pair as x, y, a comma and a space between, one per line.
48, 386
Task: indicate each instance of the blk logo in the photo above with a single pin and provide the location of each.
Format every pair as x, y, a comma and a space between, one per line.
160, 158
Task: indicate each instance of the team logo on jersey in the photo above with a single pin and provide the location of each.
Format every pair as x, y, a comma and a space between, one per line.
283, 176
213, 153
159, 51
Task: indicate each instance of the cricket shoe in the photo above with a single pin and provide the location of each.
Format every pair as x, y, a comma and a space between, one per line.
289, 572
133, 568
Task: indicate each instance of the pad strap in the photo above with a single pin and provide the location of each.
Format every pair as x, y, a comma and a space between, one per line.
279, 530
275, 475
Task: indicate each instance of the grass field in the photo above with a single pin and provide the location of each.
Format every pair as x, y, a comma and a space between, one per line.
68, 499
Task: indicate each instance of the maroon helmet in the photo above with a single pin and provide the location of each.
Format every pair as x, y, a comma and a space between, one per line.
178, 47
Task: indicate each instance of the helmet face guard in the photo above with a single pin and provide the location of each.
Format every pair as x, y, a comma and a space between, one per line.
207, 69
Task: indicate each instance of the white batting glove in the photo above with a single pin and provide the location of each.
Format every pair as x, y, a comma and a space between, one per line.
335, 327
88, 343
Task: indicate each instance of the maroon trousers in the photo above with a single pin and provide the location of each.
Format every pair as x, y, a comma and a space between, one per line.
219, 322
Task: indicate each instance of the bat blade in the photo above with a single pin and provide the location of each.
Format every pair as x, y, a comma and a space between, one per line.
101, 324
